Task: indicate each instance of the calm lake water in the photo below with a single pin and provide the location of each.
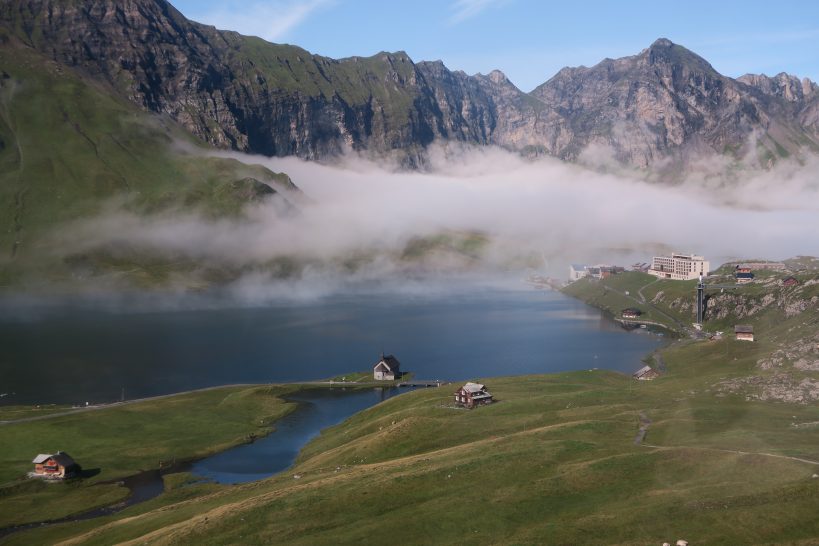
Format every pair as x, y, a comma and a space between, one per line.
79, 354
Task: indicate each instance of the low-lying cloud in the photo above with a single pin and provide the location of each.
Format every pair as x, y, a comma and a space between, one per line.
558, 211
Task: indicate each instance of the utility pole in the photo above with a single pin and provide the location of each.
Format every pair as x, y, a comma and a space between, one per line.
700, 301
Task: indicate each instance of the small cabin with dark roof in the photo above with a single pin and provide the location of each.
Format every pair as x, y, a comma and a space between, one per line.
790, 281
743, 277
387, 369
59, 465
744, 332
473, 394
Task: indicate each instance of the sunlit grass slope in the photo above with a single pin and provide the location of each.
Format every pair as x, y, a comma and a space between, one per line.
69, 148
554, 461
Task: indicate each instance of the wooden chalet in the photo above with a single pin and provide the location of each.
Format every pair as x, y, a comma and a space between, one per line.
744, 332
473, 394
387, 369
790, 281
631, 313
646, 373
59, 465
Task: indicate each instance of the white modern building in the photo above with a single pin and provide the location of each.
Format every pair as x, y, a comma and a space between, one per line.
577, 272
679, 267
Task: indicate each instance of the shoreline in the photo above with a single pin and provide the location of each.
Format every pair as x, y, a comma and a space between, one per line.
120, 403
156, 475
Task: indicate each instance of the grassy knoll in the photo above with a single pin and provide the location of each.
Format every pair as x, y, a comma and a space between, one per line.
119, 441
763, 303
619, 292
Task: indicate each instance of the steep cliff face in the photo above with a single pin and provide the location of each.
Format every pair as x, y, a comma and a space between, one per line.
231, 90
244, 93
664, 102
802, 96
785, 86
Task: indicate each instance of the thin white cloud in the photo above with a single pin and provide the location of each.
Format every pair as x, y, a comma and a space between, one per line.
465, 9
269, 20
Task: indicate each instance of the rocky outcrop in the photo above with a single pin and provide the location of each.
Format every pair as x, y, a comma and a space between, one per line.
779, 387
790, 88
802, 355
662, 106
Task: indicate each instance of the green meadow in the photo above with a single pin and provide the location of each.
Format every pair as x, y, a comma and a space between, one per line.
70, 150
112, 443
553, 461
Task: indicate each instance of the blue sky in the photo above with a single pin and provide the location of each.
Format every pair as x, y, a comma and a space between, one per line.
530, 40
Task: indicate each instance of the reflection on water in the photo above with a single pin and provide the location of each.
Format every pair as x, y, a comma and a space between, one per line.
318, 409
93, 354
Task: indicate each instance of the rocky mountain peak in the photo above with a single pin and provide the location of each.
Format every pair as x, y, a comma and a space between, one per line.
499, 78
247, 94
664, 52
786, 86
662, 42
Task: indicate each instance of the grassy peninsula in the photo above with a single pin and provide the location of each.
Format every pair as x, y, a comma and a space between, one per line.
115, 442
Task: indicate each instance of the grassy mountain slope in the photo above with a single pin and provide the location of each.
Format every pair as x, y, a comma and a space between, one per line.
785, 321
70, 147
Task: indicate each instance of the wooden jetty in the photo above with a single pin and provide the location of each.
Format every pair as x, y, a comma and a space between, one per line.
421, 383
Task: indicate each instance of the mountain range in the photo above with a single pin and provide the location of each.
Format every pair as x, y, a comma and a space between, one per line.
116, 105
664, 105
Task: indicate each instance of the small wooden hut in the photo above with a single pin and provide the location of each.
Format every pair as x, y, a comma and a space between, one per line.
646, 373
790, 281
631, 313
473, 394
744, 332
56, 466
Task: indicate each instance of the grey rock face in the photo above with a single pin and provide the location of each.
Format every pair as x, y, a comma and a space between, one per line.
663, 105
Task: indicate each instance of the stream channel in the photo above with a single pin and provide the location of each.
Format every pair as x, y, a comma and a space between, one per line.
317, 409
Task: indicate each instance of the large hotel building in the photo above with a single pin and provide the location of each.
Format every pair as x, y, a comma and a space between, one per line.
679, 267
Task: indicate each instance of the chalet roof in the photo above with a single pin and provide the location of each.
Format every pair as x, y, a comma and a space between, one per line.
743, 329
632, 310
389, 362
641, 371
578, 267
473, 387
61, 458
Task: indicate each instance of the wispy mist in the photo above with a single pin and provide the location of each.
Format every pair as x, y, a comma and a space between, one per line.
359, 216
